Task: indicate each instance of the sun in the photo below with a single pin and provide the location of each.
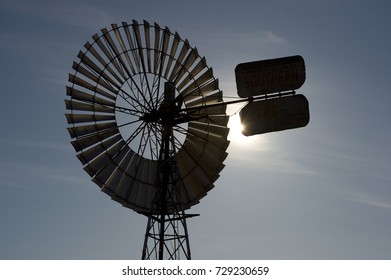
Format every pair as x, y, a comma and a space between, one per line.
235, 132
244, 144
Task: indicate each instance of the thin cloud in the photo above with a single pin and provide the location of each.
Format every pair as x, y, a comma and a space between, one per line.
255, 38
273, 38
268, 157
22, 176
370, 200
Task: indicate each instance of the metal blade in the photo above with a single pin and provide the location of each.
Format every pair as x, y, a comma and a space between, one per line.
147, 36
135, 55
82, 96
183, 52
192, 101
78, 131
206, 76
139, 43
81, 118
109, 56
156, 48
125, 51
193, 73
103, 165
163, 51
81, 144
98, 80
93, 88
190, 59
220, 131
114, 180
214, 119
105, 65
78, 106
174, 47
205, 135
89, 154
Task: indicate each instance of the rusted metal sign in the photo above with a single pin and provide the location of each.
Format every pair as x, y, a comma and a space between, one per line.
269, 76
275, 114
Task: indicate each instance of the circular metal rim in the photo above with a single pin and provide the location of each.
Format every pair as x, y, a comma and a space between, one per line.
96, 137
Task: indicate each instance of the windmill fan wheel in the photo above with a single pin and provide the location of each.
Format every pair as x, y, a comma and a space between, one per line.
117, 112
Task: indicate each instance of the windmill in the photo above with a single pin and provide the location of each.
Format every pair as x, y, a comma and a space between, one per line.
148, 122
141, 128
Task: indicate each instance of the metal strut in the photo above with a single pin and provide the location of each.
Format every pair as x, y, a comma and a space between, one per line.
166, 235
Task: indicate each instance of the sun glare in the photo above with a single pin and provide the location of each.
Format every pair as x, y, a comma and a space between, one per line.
241, 143
235, 133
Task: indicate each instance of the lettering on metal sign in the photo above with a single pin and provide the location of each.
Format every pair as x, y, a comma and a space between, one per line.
270, 76
275, 114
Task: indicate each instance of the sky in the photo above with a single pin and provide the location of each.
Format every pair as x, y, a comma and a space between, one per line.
318, 192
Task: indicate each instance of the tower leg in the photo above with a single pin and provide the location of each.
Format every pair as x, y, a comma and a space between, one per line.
168, 240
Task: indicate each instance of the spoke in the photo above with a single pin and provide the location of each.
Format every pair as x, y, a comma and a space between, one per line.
153, 141
139, 129
129, 123
143, 141
124, 96
179, 130
155, 86
127, 111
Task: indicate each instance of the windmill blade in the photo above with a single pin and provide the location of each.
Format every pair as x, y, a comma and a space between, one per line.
204, 161
96, 74
174, 47
79, 131
79, 106
193, 188
201, 65
215, 130
86, 97
181, 56
102, 166
110, 57
113, 47
204, 89
188, 63
91, 153
163, 52
125, 186
194, 101
82, 118
112, 182
85, 142
147, 35
206, 76
215, 139
211, 149
217, 119
104, 63
139, 45
124, 49
87, 86
132, 47
156, 48
134, 181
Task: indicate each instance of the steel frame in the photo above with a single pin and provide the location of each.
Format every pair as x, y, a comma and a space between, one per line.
166, 235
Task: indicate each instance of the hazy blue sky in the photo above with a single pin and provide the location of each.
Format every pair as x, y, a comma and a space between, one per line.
319, 192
